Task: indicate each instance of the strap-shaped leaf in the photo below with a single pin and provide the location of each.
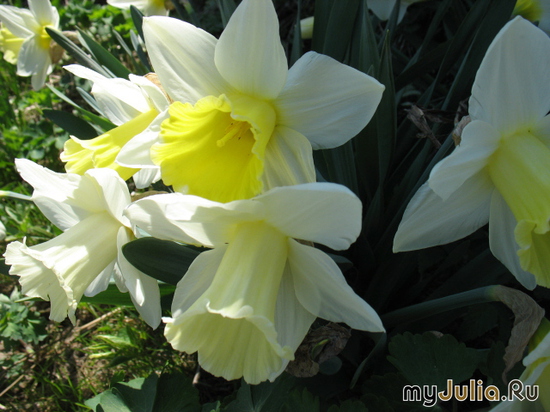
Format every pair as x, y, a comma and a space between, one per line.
103, 56
164, 260
71, 48
71, 124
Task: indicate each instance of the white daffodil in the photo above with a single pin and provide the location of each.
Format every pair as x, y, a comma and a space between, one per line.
500, 172
241, 122
246, 305
137, 106
535, 11
537, 372
81, 260
24, 40
147, 7
383, 8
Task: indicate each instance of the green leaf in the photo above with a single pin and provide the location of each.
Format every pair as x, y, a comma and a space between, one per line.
71, 124
301, 400
103, 57
161, 259
71, 48
428, 359
227, 7
169, 393
113, 296
265, 397
137, 18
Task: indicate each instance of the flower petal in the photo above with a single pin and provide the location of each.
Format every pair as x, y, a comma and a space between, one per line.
196, 280
479, 141
120, 100
20, 22
327, 101
325, 213
32, 58
430, 221
502, 241
54, 194
288, 159
44, 13
249, 54
62, 268
322, 289
191, 219
137, 152
143, 289
112, 191
512, 86
186, 69
292, 320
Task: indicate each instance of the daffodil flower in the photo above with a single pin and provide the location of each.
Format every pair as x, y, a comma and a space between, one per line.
383, 8
24, 39
500, 171
241, 122
81, 260
535, 11
537, 372
137, 106
246, 305
147, 7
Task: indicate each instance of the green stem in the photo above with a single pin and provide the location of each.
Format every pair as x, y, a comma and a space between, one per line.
437, 306
7, 193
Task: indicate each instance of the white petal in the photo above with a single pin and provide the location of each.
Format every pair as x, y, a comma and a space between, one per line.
198, 278
288, 159
512, 85
430, 221
249, 54
479, 142
137, 152
20, 22
191, 219
153, 93
39, 78
32, 58
292, 320
112, 190
125, 4
502, 241
185, 68
143, 289
120, 100
101, 282
322, 290
327, 101
54, 193
44, 13
145, 177
325, 213
62, 268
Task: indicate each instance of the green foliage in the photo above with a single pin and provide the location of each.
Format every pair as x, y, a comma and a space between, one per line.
18, 322
169, 392
429, 359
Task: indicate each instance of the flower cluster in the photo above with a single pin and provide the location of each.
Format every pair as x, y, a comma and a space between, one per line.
231, 129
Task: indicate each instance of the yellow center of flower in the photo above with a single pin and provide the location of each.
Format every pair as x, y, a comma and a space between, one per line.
519, 169
44, 38
528, 9
239, 307
10, 45
215, 149
102, 151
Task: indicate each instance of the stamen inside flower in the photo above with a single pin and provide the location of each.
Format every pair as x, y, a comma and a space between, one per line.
215, 149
